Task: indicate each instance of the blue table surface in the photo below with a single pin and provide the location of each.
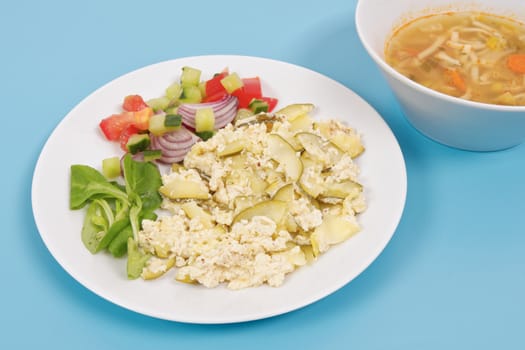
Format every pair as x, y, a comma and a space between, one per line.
452, 277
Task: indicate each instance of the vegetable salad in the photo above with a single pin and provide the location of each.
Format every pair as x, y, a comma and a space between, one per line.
165, 128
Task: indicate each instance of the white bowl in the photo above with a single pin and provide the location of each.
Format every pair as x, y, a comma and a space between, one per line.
449, 120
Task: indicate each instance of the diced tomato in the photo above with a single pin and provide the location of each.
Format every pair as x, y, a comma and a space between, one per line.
272, 102
126, 134
113, 125
134, 103
214, 86
216, 97
142, 118
244, 100
252, 87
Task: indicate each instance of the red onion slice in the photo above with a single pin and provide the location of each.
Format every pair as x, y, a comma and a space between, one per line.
224, 110
174, 145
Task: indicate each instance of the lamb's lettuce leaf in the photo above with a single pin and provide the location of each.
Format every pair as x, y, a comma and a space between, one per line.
88, 183
115, 212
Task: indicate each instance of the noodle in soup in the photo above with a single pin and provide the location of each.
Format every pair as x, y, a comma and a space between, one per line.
470, 55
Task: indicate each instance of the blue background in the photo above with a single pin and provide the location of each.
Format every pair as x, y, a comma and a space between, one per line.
453, 276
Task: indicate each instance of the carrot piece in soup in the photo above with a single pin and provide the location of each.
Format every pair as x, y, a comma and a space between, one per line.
516, 63
411, 51
456, 80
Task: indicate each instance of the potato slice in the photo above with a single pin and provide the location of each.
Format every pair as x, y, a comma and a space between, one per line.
272, 175
343, 137
282, 152
290, 138
334, 229
342, 190
309, 162
275, 210
290, 224
302, 123
311, 179
246, 176
257, 184
274, 187
295, 256
162, 251
163, 265
319, 148
285, 193
232, 148
294, 111
349, 143
312, 143
243, 202
238, 161
185, 189
308, 253
184, 278
193, 211
310, 187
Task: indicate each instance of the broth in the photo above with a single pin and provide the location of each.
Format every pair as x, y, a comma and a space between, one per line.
474, 56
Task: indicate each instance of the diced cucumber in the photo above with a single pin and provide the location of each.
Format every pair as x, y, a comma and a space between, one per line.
172, 110
204, 119
173, 91
202, 88
137, 143
156, 124
191, 94
205, 135
159, 104
258, 106
160, 124
232, 82
190, 76
111, 167
152, 154
173, 120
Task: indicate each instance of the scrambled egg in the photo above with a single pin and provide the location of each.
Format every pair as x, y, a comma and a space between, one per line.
256, 201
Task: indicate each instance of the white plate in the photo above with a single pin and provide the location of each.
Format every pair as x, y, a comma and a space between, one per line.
76, 140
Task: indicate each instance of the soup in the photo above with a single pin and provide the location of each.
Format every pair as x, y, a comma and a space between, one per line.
474, 56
